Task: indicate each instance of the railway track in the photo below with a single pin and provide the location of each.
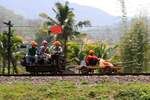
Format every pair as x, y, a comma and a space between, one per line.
109, 74
77, 78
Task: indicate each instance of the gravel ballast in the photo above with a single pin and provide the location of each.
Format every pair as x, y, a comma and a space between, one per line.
91, 79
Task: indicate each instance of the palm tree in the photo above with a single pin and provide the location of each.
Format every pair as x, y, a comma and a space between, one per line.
66, 18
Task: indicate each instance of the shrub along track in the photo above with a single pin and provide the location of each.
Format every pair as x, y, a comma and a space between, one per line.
91, 78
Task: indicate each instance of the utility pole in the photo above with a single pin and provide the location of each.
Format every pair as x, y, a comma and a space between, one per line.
9, 44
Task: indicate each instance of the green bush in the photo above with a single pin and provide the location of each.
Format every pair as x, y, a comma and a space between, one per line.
92, 94
134, 93
128, 95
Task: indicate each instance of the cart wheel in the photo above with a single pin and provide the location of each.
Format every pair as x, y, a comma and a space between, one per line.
107, 70
84, 70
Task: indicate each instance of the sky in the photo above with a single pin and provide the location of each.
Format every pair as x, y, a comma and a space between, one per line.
133, 7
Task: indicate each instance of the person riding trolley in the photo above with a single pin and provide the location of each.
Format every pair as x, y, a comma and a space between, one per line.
56, 48
44, 51
91, 59
31, 57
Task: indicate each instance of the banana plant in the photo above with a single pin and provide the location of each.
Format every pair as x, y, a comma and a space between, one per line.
102, 50
75, 52
105, 51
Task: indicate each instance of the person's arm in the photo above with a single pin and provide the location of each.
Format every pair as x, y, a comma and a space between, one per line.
57, 50
87, 60
52, 49
47, 50
41, 50
29, 50
96, 58
36, 52
61, 50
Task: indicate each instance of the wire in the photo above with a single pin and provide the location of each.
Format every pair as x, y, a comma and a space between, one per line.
39, 26
25, 26
20, 26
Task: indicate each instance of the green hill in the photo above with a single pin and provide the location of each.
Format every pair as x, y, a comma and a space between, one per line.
21, 25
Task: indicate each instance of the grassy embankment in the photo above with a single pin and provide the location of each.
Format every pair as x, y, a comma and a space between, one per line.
67, 90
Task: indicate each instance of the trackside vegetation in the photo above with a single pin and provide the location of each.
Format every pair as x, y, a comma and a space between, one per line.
69, 90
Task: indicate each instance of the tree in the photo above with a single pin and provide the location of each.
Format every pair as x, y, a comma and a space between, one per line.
43, 34
3, 49
124, 16
66, 18
16, 42
133, 47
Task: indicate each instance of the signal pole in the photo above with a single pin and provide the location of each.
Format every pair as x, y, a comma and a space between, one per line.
9, 44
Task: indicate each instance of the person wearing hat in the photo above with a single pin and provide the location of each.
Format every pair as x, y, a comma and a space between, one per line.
56, 54
91, 59
31, 57
44, 50
56, 48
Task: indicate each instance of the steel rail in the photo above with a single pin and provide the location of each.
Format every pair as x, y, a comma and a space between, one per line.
102, 74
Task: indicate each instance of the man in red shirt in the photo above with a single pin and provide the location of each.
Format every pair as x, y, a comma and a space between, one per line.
91, 59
